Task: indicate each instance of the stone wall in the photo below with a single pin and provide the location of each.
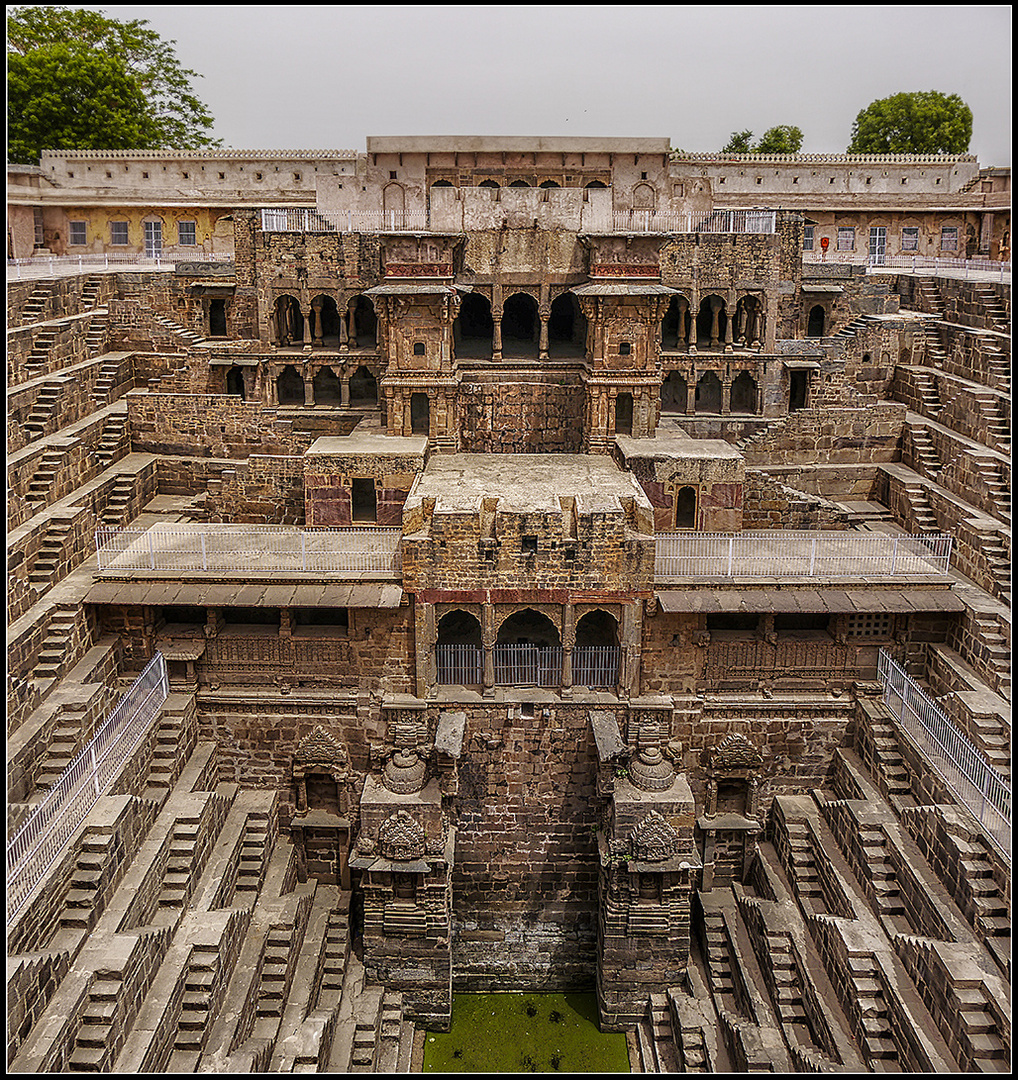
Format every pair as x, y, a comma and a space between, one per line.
521, 409
829, 436
770, 504
263, 490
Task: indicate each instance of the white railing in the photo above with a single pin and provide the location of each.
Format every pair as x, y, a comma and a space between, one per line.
254, 548
915, 264
44, 834
289, 219
701, 221
68, 264
977, 785
773, 554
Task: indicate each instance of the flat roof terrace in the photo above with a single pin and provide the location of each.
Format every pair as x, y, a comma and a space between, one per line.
527, 483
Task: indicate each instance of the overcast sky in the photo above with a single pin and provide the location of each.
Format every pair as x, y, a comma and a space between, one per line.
300, 77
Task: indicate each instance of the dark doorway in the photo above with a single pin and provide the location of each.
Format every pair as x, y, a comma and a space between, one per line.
743, 398
420, 414
474, 328
567, 327
217, 318
362, 324
520, 326
363, 388
685, 508
290, 387
235, 382
815, 324
708, 394
674, 393
798, 389
624, 414
327, 388
363, 502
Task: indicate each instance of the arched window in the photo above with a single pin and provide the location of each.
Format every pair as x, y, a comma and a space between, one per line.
528, 651
520, 183
520, 326
489, 184
473, 328
711, 322
289, 321
549, 184
567, 327
442, 183
458, 653
596, 654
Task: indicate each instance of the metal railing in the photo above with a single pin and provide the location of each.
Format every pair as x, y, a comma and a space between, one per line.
911, 263
700, 221
292, 219
42, 837
459, 665
977, 785
528, 665
773, 554
66, 264
261, 548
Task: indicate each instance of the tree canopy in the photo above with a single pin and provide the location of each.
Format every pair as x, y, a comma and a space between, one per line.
924, 122
783, 139
78, 80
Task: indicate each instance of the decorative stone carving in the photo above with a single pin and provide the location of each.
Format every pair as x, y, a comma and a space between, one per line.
734, 751
401, 839
321, 753
653, 840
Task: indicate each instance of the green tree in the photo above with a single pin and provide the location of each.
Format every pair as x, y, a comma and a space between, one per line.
738, 143
924, 122
168, 113
783, 139
63, 97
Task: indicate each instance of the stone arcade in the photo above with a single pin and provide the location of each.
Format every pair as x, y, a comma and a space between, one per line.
525, 556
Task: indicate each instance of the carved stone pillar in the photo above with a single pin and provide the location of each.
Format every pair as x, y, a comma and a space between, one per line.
693, 312
353, 324
344, 342
344, 391
488, 638
715, 311
496, 335
316, 323
691, 393
544, 314
309, 388
568, 644
728, 325
726, 396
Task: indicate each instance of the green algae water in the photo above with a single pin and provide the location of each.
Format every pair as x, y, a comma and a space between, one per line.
525, 1033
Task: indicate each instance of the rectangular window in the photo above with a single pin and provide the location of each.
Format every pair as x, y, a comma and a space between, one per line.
118, 233
40, 232
808, 234
846, 239
910, 239
187, 233
76, 233
949, 238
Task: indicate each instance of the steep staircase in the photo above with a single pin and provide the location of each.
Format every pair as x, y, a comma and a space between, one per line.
925, 453
989, 302
37, 359
51, 554
924, 519
118, 504
254, 854
875, 1036
64, 746
930, 294
89, 296
925, 383
42, 410
93, 1042
111, 440
993, 480
41, 484
802, 867
997, 650
55, 644
109, 374
891, 773
34, 305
